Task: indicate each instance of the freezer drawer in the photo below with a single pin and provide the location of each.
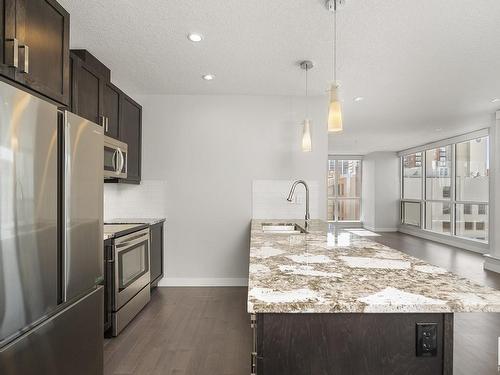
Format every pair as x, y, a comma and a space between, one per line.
69, 343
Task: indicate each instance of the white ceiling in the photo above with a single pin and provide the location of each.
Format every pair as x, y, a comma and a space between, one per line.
420, 65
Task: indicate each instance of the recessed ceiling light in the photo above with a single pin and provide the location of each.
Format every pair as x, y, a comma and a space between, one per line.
495, 100
208, 77
358, 99
438, 129
193, 37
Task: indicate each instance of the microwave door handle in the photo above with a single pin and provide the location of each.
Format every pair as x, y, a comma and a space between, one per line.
113, 161
122, 161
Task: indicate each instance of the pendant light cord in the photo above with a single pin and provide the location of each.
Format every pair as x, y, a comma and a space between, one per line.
335, 42
307, 91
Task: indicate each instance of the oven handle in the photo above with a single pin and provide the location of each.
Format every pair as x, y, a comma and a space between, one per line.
142, 237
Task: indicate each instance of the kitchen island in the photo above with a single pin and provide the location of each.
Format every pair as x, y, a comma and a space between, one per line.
331, 302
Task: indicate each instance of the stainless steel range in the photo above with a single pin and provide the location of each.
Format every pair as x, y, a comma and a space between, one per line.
127, 273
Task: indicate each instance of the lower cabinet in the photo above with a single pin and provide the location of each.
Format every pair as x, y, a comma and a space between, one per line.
156, 251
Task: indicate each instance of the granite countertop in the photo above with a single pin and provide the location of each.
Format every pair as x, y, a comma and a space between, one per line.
330, 270
150, 221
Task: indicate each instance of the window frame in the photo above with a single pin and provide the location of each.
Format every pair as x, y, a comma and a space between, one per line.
335, 198
483, 133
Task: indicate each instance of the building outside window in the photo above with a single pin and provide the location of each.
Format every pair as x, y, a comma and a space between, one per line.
445, 189
344, 189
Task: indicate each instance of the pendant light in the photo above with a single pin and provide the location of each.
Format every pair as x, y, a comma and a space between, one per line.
335, 108
306, 130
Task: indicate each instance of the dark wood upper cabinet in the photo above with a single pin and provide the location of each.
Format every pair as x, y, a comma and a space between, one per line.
111, 109
7, 34
95, 98
35, 53
87, 90
130, 132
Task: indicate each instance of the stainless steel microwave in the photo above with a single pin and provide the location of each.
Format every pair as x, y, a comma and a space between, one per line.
115, 158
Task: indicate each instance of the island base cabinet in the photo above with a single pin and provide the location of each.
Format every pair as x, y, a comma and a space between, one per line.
348, 344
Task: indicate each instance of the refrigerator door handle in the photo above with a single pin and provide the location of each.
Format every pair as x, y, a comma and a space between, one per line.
66, 203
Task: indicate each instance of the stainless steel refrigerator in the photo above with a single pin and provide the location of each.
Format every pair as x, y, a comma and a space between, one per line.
51, 239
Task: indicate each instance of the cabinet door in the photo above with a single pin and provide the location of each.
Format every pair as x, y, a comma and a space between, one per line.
86, 98
42, 30
111, 109
131, 133
156, 248
8, 49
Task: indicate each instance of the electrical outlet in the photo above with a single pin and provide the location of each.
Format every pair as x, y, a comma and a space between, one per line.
427, 339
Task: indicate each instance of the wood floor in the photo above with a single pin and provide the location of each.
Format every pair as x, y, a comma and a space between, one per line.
205, 331
185, 331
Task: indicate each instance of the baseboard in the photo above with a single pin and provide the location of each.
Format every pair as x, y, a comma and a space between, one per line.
447, 240
491, 263
186, 281
373, 229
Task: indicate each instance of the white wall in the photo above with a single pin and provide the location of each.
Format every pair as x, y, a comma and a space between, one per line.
380, 195
206, 151
269, 200
492, 261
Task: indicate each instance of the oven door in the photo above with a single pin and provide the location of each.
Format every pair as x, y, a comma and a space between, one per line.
131, 266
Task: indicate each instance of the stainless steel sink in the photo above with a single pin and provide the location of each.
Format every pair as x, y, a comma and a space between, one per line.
284, 228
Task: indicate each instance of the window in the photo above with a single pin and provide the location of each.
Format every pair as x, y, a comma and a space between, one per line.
469, 225
481, 209
446, 226
467, 209
412, 176
438, 173
436, 214
445, 189
411, 213
344, 189
472, 170
446, 192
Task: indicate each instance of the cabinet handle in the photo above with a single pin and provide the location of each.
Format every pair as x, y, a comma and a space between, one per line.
107, 124
12, 52
24, 58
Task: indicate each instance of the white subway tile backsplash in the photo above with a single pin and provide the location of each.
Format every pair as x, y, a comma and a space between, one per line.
132, 201
269, 200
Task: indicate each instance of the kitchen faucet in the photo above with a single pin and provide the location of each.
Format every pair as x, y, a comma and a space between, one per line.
292, 191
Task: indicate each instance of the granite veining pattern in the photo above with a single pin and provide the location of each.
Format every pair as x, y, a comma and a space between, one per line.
336, 271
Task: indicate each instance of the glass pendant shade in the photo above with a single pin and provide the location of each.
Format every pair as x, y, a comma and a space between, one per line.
335, 110
306, 137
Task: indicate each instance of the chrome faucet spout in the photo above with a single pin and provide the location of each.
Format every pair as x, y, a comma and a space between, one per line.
292, 192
